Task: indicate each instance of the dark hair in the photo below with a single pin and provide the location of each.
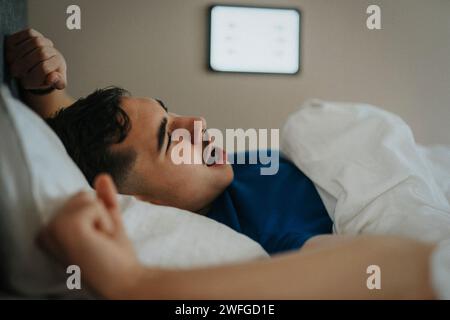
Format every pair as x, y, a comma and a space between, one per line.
89, 127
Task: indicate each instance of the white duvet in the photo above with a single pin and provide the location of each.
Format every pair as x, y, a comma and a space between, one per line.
372, 176
370, 173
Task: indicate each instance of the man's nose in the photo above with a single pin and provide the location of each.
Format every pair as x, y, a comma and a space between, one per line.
195, 125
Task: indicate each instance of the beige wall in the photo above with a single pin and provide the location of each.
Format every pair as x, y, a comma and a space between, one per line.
158, 48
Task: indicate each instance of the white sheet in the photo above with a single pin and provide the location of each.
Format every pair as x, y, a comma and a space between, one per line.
174, 238
373, 177
370, 173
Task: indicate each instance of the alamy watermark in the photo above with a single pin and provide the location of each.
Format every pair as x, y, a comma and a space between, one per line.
373, 21
73, 20
73, 281
374, 280
210, 148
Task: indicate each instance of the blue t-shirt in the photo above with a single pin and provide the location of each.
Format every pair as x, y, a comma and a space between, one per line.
279, 211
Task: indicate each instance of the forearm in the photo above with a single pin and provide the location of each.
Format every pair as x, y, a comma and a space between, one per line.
47, 105
337, 272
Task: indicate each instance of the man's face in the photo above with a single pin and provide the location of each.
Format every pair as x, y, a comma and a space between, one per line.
154, 176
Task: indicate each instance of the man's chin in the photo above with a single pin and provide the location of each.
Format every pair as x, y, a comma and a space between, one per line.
226, 172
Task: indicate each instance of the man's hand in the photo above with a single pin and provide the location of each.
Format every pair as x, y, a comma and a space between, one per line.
34, 61
88, 231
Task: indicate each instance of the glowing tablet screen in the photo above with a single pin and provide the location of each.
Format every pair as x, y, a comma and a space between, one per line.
251, 39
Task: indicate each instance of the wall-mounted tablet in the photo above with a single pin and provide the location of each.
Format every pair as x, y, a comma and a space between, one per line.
254, 39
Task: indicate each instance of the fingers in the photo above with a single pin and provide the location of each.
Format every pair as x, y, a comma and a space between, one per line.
19, 37
107, 193
56, 80
27, 47
49, 70
86, 213
26, 64
34, 61
18, 44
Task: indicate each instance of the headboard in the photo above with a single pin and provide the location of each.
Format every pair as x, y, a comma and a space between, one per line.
13, 17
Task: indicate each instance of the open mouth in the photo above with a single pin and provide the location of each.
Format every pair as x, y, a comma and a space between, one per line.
215, 156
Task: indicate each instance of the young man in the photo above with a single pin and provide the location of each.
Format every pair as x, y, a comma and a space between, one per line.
130, 138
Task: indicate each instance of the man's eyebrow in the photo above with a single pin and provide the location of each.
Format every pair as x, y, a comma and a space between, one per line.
162, 104
162, 133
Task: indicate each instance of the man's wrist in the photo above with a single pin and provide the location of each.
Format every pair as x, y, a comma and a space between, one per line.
128, 286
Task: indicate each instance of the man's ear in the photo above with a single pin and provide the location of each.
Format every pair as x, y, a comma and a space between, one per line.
106, 191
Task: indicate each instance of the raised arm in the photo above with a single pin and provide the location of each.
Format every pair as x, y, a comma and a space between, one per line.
332, 272
40, 69
98, 244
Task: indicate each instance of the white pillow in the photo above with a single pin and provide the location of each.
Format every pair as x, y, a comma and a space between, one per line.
37, 176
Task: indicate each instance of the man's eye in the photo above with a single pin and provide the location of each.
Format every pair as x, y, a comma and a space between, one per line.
169, 141
162, 105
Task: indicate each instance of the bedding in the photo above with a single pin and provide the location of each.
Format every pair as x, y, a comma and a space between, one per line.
37, 176
373, 177
369, 171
